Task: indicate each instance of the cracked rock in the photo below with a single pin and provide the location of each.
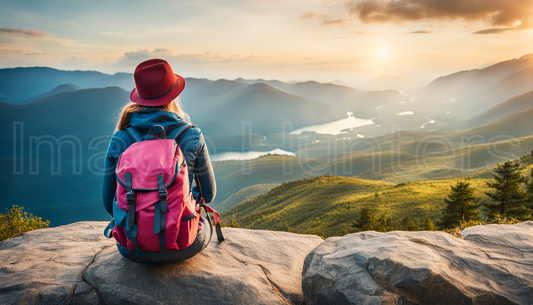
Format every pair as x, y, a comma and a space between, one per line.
44, 266
84, 294
76, 264
493, 264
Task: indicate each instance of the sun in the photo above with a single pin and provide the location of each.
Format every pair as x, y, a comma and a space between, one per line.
383, 51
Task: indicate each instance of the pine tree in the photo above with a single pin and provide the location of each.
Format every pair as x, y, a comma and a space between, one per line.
367, 221
233, 224
381, 223
428, 225
391, 224
409, 224
460, 204
529, 190
509, 198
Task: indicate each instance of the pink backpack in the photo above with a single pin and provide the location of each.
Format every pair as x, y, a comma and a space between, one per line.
154, 208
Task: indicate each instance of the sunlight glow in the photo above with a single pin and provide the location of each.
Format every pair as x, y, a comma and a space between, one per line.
383, 51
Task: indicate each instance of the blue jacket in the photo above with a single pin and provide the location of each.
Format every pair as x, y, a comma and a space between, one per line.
191, 143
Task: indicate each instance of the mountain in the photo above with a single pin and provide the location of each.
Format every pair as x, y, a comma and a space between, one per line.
327, 205
17, 85
361, 103
259, 107
399, 157
343, 99
514, 126
54, 151
64, 138
413, 156
515, 84
469, 83
198, 90
514, 105
85, 114
56, 90
219, 106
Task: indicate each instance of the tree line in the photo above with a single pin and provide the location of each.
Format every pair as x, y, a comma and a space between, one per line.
511, 197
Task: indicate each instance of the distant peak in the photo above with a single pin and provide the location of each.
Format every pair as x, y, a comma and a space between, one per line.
68, 86
260, 85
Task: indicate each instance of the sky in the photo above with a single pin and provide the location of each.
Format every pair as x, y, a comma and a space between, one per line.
324, 40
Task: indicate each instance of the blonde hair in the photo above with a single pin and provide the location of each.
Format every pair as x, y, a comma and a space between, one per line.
172, 106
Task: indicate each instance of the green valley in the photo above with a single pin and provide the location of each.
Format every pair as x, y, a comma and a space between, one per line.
327, 205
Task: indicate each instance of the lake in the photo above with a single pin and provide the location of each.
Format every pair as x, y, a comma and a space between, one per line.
335, 127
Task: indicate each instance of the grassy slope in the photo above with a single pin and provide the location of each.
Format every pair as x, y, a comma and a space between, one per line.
245, 194
327, 205
233, 176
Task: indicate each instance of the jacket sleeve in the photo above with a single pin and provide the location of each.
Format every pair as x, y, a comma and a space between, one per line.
110, 182
204, 172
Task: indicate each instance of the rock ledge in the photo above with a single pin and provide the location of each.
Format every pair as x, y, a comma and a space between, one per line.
76, 264
493, 264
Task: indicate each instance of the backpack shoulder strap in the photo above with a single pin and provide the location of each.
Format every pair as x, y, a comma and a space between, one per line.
174, 134
130, 131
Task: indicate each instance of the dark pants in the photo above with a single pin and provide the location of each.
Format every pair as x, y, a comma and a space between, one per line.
199, 244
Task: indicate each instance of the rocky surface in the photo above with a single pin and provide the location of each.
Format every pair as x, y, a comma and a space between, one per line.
76, 264
493, 264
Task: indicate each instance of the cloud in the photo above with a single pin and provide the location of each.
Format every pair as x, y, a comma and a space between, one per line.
333, 21
326, 18
23, 32
494, 31
132, 59
312, 15
516, 14
10, 51
309, 15
419, 32
35, 53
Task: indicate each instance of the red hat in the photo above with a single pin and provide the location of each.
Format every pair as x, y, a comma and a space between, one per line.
155, 83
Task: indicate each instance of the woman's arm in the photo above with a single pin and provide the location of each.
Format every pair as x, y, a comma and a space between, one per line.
204, 171
110, 182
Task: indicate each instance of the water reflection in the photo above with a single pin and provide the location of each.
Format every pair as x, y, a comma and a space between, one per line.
336, 126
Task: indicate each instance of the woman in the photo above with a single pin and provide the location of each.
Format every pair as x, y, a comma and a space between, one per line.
156, 102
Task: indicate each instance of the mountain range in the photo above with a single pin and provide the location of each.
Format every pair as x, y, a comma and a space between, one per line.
481, 117
475, 91
21, 85
512, 106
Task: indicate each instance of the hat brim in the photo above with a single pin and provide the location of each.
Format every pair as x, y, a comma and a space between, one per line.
160, 101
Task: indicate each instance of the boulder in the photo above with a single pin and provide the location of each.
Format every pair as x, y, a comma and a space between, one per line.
492, 264
76, 264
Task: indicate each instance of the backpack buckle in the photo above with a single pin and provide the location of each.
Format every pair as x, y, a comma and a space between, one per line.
130, 196
163, 195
